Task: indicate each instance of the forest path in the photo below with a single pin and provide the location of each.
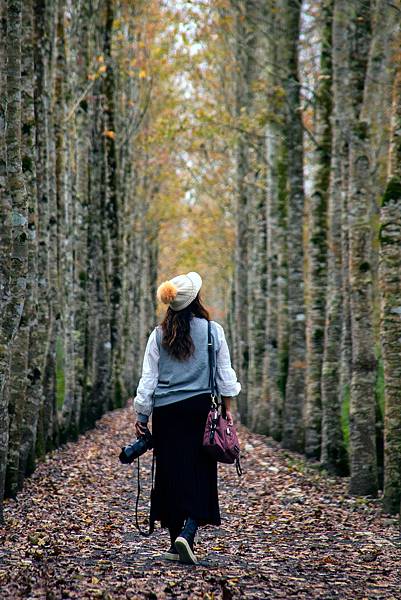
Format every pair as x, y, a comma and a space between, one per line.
287, 531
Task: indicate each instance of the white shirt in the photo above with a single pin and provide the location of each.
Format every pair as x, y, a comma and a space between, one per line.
226, 378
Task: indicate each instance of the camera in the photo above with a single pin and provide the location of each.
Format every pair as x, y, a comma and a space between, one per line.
129, 453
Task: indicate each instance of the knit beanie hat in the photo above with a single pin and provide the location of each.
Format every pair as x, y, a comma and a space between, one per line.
179, 292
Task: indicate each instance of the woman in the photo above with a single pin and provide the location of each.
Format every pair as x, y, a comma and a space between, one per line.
175, 386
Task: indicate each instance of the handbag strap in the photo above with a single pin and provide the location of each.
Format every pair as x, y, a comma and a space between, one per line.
212, 382
212, 385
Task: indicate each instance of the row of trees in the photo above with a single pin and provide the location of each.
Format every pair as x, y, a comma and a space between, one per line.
317, 281
294, 138
78, 249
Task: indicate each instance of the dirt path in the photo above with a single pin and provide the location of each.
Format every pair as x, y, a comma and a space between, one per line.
287, 532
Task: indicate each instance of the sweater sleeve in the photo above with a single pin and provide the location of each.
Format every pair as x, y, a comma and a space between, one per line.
143, 401
226, 378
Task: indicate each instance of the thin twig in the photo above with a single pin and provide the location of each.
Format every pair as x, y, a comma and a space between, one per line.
78, 102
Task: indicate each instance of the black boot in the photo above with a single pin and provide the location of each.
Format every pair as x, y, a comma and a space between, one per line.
185, 542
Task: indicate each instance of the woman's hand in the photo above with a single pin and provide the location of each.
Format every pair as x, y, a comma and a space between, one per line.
229, 417
140, 428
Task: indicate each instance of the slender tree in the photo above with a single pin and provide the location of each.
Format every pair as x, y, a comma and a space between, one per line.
276, 333
333, 450
293, 432
363, 458
112, 203
390, 313
258, 407
26, 353
317, 242
16, 222
245, 37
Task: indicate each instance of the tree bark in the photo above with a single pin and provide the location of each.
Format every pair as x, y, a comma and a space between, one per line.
333, 451
41, 59
270, 390
257, 314
363, 458
362, 406
113, 215
16, 223
245, 47
390, 310
317, 243
25, 381
65, 371
293, 430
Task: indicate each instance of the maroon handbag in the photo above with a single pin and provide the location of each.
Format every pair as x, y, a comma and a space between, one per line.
220, 439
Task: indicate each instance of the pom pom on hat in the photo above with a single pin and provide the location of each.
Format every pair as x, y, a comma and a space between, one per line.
166, 292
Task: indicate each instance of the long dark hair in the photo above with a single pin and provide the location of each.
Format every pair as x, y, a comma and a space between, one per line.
176, 329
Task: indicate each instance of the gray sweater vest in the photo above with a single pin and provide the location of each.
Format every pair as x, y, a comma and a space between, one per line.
181, 379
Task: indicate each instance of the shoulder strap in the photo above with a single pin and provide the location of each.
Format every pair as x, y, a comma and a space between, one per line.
212, 383
157, 328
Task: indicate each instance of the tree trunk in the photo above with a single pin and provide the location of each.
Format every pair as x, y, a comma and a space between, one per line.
317, 243
41, 49
49, 418
363, 459
390, 310
333, 451
293, 430
25, 380
258, 408
270, 389
112, 210
81, 151
362, 407
65, 372
245, 39
15, 231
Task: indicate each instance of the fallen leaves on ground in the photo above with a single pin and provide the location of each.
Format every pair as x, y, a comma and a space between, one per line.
287, 531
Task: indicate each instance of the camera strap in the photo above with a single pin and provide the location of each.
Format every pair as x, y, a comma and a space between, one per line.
151, 525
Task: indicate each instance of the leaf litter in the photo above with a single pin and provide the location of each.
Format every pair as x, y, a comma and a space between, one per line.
288, 530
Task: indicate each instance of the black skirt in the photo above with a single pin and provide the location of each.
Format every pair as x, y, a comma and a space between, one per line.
185, 476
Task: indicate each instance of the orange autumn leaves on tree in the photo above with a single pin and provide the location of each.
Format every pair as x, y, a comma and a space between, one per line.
186, 154
173, 146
